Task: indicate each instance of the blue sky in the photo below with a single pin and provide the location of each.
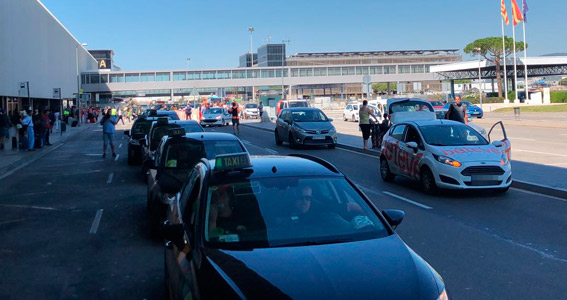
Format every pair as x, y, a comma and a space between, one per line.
150, 34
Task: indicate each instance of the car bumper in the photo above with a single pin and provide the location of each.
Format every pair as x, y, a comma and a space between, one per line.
482, 177
315, 139
212, 122
251, 114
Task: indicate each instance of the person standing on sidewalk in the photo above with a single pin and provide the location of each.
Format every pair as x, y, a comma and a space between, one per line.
27, 123
108, 123
260, 110
457, 111
4, 128
364, 122
48, 125
234, 111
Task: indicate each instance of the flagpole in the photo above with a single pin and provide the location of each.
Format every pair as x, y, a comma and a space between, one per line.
525, 64
506, 100
516, 100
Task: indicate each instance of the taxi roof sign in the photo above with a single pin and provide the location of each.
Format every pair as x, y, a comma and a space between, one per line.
176, 132
162, 120
232, 161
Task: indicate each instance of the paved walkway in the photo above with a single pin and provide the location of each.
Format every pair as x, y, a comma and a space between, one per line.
535, 177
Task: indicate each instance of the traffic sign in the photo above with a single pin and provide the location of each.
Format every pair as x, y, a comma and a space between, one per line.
366, 79
56, 93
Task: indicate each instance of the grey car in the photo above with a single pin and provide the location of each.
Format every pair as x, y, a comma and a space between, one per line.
305, 126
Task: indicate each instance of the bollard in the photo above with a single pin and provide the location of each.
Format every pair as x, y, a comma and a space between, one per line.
517, 113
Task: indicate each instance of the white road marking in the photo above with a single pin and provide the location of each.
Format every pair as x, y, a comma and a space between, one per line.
29, 206
537, 152
12, 221
245, 142
110, 176
96, 221
355, 152
74, 163
117, 156
92, 154
271, 151
120, 146
523, 139
538, 194
407, 200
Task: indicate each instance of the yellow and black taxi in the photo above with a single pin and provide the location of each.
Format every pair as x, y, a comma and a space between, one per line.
176, 154
285, 227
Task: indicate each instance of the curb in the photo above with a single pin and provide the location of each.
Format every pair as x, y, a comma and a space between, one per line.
24, 161
519, 184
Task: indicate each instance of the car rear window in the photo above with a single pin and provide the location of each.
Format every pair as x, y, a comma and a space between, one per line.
170, 114
410, 105
192, 128
141, 127
214, 148
298, 104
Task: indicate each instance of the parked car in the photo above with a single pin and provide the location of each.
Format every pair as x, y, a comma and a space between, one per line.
216, 116
439, 108
472, 109
283, 104
250, 111
136, 141
351, 112
305, 126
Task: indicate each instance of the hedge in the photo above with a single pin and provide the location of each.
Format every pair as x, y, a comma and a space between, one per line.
485, 100
559, 97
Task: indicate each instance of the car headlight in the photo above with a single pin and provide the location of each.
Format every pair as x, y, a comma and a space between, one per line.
333, 130
218, 117
443, 295
447, 160
504, 159
297, 129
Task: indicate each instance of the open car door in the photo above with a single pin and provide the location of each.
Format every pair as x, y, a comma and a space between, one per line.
498, 133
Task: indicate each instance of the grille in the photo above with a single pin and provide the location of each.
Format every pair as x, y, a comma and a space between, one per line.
315, 132
482, 170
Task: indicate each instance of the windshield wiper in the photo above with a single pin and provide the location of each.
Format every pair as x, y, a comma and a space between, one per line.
314, 243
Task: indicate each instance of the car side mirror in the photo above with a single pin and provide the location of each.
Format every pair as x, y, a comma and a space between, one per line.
498, 144
127, 132
394, 216
168, 183
173, 233
412, 145
330, 119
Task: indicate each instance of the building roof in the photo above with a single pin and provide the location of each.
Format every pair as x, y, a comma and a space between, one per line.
376, 53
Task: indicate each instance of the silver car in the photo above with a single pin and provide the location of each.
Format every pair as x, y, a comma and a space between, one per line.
305, 126
215, 116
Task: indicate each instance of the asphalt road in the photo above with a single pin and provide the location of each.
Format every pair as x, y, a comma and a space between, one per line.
486, 246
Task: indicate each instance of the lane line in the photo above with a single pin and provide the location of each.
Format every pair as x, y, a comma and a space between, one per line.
110, 176
271, 151
96, 221
523, 139
537, 152
117, 156
407, 200
75, 163
351, 151
538, 194
29, 206
120, 146
245, 142
12, 221
92, 154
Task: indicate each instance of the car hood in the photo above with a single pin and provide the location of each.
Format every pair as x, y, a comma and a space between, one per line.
483, 153
211, 116
314, 125
404, 116
382, 268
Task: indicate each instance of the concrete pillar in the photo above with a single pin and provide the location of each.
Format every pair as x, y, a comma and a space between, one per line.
342, 92
312, 92
388, 86
453, 88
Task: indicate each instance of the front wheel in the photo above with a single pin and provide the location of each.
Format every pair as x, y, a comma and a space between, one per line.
385, 173
279, 142
345, 118
292, 143
428, 181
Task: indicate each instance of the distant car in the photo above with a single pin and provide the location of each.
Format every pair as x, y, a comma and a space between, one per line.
216, 116
472, 109
286, 228
251, 111
305, 126
439, 108
176, 155
189, 125
351, 112
283, 104
168, 113
445, 154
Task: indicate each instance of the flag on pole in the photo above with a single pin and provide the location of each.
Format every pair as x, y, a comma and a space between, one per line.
525, 9
516, 13
504, 13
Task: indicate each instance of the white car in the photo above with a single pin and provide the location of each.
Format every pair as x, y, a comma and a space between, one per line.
251, 111
445, 154
215, 116
351, 112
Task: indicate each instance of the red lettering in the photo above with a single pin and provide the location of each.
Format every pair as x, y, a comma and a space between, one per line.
459, 151
477, 150
445, 152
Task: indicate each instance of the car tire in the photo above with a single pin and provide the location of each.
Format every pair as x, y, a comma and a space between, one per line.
352, 118
279, 142
331, 146
292, 143
427, 180
345, 118
385, 172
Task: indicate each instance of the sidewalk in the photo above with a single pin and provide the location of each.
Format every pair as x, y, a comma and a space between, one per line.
13, 160
543, 179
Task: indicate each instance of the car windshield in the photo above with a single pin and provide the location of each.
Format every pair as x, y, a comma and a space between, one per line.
452, 135
298, 104
287, 211
192, 127
410, 105
214, 148
214, 111
309, 116
251, 105
170, 114
436, 103
183, 155
141, 127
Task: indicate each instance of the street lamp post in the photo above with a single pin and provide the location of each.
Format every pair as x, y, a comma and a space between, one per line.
78, 82
251, 29
283, 63
188, 60
479, 77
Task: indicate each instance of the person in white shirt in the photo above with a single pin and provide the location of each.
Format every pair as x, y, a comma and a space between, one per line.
28, 122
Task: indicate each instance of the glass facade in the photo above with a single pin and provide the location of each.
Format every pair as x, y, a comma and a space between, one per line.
162, 76
271, 55
147, 77
179, 76
115, 78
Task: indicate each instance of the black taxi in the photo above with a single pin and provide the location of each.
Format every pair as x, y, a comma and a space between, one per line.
176, 154
288, 227
137, 138
158, 129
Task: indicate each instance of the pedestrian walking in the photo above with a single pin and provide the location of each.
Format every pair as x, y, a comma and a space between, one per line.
120, 116
5, 125
188, 111
260, 110
108, 123
457, 111
364, 114
235, 112
27, 125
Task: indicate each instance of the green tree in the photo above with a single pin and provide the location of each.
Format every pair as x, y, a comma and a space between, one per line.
380, 87
491, 49
563, 81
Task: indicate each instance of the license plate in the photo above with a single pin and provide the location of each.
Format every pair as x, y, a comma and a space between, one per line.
318, 137
484, 177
